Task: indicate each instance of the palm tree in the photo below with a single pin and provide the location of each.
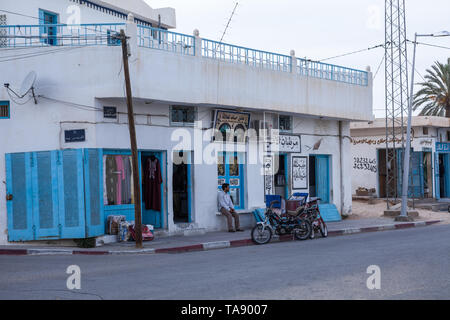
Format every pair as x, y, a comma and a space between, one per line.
434, 96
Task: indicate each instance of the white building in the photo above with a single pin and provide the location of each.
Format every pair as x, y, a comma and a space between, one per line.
430, 173
65, 160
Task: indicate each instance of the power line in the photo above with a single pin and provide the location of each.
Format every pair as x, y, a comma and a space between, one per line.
353, 52
379, 67
32, 55
429, 45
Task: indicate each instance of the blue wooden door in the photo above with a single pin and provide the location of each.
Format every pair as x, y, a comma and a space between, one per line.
93, 187
447, 175
71, 194
45, 195
323, 178
437, 180
20, 203
416, 186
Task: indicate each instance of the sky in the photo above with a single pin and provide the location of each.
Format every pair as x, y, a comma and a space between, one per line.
318, 29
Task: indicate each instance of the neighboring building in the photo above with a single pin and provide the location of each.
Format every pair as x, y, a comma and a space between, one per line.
66, 159
430, 165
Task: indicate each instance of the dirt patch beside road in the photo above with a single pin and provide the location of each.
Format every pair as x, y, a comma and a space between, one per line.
363, 210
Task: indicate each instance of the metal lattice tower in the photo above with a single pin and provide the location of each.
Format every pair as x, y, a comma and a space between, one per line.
397, 93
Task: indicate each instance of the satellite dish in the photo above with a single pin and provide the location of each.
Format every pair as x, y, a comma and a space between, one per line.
28, 84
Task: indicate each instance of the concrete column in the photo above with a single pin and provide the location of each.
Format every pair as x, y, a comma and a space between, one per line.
198, 44
132, 33
346, 167
294, 62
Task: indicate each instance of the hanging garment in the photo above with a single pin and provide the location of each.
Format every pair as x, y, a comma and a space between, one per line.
152, 181
120, 178
111, 179
127, 197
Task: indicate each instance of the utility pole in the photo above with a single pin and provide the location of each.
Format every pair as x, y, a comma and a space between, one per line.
132, 128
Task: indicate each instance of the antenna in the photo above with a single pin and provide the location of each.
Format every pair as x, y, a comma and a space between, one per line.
26, 87
229, 21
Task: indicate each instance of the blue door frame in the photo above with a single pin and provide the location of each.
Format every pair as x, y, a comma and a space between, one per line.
157, 219
446, 164
228, 178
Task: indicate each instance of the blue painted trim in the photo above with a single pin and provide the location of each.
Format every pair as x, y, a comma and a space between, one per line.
241, 176
327, 178
8, 105
46, 27
189, 186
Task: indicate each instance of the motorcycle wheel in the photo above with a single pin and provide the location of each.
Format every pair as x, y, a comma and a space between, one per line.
260, 236
323, 229
303, 231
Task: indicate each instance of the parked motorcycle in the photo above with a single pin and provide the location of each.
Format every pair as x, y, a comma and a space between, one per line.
291, 223
311, 213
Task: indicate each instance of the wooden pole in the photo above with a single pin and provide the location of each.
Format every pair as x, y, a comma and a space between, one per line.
132, 128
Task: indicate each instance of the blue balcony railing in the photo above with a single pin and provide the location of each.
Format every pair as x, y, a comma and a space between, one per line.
251, 57
332, 72
160, 39
106, 34
17, 36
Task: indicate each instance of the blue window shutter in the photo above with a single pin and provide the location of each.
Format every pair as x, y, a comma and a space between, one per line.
45, 195
71, 194
93, 186
18, 185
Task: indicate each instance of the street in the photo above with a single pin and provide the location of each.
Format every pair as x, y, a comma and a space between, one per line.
414, 264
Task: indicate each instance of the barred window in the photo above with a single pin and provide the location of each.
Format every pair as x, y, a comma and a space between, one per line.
4, 110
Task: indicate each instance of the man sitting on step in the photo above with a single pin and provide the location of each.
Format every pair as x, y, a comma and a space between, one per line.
226, 207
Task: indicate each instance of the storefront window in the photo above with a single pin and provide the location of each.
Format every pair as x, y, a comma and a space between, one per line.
118, 180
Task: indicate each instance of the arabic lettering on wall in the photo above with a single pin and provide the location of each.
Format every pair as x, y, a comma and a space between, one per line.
299, 173
365, 164
374, 141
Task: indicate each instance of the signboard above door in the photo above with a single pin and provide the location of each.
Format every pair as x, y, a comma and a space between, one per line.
284, 144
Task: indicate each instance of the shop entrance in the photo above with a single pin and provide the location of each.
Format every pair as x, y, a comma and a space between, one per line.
444, 178
152, 189
182, 188
281, 176
319, 181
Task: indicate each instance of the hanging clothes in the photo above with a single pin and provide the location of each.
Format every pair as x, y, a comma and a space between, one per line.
152, 184
111, 179
127, 196
120, 178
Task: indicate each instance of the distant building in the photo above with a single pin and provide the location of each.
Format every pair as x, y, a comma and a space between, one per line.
430, 173
66, 159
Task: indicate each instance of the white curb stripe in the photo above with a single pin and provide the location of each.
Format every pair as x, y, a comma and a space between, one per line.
216, 245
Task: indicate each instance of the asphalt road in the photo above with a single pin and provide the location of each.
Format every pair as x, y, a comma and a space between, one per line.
414, 264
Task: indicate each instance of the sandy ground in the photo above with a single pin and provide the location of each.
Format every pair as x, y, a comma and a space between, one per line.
363, 210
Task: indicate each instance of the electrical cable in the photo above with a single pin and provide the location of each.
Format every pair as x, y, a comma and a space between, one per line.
429, 45
353, 52
32, 55
379, 67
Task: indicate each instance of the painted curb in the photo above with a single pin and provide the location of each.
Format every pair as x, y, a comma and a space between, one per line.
210, 245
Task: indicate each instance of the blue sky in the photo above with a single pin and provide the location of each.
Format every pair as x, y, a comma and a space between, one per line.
317, 29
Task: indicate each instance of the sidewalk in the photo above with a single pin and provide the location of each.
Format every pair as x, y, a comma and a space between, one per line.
210, 241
